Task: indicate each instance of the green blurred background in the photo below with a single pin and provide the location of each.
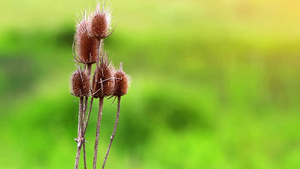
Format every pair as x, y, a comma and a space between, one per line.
215, 85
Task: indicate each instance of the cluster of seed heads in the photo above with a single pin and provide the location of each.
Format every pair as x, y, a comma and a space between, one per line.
88, 42
105, 81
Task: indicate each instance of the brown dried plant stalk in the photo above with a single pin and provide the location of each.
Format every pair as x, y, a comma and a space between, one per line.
120, 89
97, 132
88, 45
114, 132
103, 86
79, 138
80, 88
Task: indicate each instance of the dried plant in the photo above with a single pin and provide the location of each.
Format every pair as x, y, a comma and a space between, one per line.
89, 49
120, 89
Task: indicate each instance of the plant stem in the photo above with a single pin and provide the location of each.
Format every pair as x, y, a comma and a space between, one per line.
77, 155
84, 154
89, 68
101, 47
88, 117
79, 133
98, 132
86, 99
84, 120
114, 132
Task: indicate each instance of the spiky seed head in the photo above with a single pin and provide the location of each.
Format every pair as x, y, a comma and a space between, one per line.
121, 82
86, 46
103, 82
100, 23
80, 84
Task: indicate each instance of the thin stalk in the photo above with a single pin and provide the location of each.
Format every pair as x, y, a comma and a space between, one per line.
77, 155
83, 129
98, 132
79, 133
86, 99
114, 132
84, 154
89, 68
101, 47
88, 117
85, 119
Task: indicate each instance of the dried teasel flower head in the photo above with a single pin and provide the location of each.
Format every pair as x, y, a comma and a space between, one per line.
100, 22
86, 47
80, 83
103, 80
121, 82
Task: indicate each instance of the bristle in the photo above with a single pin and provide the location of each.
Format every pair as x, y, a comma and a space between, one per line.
86, 46
103, 82
80, 83
100, 23
121, 82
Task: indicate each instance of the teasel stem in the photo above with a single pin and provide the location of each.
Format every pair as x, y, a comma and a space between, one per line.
86, 99
82, 131
79, 134
88, 116
114, 132
98, 132
84, 154
101, 47
77, 155
85, 127
89, 68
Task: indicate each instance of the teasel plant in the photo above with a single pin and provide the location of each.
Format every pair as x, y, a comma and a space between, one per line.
88, 50
121, 82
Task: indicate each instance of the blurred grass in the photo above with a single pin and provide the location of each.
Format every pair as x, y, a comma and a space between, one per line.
214, 84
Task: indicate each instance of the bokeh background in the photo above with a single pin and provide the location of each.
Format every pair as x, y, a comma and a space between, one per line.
215, 85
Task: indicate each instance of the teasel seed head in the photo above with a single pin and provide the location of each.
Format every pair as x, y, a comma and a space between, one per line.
103, 80
121, 82
80, 83
100, 23
86, 46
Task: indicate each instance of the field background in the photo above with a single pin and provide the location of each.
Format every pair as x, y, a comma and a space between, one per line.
215, 85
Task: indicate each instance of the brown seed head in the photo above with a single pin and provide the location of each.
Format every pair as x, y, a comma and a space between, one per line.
80, 84
86, 46
100, 23
121, 82
103, 82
